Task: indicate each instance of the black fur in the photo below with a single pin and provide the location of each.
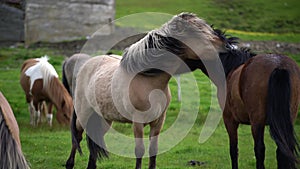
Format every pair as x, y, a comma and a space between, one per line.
76, 137
232, 58
64, 79
170, 44
192, 65
95, 129
227, 40
279, 118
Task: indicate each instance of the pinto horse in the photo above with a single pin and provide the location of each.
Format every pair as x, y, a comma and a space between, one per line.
134, 88
40, 82
10, 146
262, 90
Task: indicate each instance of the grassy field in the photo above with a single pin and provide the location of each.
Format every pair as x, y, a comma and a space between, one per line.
48, 148
248, 15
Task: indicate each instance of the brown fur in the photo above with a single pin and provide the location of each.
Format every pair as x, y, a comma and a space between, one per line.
10, 146
246, 102
54, 93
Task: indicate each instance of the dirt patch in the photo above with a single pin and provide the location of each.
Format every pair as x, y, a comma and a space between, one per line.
272, 47
69, 48
130, 36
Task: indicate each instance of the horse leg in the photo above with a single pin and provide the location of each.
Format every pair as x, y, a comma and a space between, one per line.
96, 128
232, 128
36, 112
259, 146
155, 128
49, 114
31, 110
138, 129
76, 132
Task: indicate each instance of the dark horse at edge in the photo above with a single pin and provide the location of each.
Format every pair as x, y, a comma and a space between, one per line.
262, 90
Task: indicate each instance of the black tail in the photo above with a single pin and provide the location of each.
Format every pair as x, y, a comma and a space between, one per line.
64, 78
279, 118
95, 129
76, 137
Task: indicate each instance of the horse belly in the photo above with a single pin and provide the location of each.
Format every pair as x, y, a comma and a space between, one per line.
238, 110
107, 110
234, 103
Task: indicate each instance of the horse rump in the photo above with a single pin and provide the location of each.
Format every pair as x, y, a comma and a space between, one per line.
279, 118
64, 78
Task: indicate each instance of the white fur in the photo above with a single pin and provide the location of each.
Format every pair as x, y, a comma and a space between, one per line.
42, 70
49, 119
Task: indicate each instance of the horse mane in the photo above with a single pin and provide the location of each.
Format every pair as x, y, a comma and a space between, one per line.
58, 93
47, 70
10, 147
233, 56
159, 46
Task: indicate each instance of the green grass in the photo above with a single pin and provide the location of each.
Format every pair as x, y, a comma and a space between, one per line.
46, 147
247, 15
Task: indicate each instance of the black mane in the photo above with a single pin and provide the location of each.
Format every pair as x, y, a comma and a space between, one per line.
170, 44
233, 57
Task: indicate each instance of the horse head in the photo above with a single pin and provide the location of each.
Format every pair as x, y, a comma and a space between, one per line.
66, 109
195, 36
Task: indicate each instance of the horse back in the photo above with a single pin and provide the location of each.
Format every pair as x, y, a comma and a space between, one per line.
93, 87
71, 67
254, 81
27, 64
25, 80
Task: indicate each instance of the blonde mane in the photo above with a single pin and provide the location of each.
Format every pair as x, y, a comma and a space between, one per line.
155, 48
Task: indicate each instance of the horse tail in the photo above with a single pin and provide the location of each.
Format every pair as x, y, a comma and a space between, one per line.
10, 151
64, 78
74, 132
95, 130
279, 118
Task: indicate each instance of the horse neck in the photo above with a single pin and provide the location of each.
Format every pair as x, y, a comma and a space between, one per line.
57, 93
162, 80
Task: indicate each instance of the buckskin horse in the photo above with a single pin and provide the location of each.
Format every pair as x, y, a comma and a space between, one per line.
134, 88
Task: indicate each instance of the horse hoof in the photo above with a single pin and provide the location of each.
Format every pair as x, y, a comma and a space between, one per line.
69, 165
195, 163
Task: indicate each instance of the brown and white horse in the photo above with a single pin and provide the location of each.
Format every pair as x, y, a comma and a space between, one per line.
40, 82
135, 89
10, 146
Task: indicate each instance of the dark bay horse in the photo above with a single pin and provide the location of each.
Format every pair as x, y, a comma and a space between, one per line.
134, 88
10, 146
40, 82
262, 90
